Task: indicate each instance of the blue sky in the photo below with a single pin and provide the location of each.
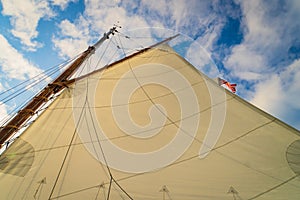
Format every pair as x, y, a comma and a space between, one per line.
255, 44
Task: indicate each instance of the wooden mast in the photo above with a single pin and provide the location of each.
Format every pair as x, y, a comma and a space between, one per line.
54, 87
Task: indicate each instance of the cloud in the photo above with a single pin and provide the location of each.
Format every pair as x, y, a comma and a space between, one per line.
3, 112
15, 68
269, 95
198, 19
24, 18
201, 59
62, 3
247, 60
98, 17
13, 64
270, 32
70, 30
69, 47
279, 94
246, 63
73, 38
1, 87
265, 56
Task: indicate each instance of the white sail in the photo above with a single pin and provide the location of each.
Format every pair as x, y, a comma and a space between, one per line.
152, 127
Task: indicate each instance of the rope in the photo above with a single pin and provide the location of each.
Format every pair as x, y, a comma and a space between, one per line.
99, 60
109, 187
103, 187
122, 189
51, 71
275, 187
65, 158
102, 151
28, 80
33, 81
21, 91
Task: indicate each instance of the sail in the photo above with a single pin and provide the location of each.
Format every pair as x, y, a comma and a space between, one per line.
151, 126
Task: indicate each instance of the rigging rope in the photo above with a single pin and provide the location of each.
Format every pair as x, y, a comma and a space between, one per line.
66, 155
42, 74
24, 89
134, 41
27, 87
86, 107
28, 80
109, 187
99, 60
103, 155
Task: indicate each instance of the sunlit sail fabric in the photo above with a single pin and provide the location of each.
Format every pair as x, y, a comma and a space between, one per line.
152, 127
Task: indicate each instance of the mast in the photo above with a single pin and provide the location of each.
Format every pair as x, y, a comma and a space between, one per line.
43, 96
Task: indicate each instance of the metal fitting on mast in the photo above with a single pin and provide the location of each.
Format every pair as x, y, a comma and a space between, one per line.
112, 31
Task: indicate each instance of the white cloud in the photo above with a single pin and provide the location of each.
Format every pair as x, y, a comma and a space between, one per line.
73, 38
291, 82
103, 14
188, 17
3, 112
70, 30
62, 3
98, 17
269, 95
270, 30
13, 64
245, 63
69, 47
247, 60
1, 87
200, 58
279, 94
161, 7
262, 58
177, 15
24, 18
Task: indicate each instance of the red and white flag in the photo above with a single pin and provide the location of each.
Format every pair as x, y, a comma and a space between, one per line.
227, 85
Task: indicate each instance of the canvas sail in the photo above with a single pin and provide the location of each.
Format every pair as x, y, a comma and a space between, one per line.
152, 127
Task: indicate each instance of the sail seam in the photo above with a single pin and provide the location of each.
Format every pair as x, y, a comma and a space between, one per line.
243, 135
273, 188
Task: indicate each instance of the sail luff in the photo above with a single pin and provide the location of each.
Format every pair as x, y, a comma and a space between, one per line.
42, 97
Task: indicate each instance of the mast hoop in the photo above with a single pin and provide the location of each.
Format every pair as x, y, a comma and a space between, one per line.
27, 110
10, 127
